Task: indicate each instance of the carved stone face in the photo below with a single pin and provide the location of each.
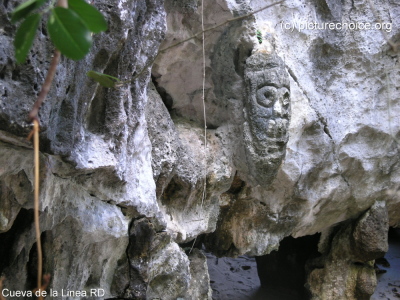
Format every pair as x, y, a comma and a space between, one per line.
267, 114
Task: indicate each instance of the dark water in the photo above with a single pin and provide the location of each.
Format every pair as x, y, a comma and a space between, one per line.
389, 283
237, 279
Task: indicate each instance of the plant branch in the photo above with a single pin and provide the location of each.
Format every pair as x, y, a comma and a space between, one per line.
62, 3
33, 116
45, 87
49, 77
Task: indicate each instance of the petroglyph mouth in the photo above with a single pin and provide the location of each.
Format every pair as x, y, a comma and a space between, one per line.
271, 129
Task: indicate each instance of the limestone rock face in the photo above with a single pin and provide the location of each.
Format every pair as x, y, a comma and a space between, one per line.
342, 102
200, 280
78, 228
96, 174
332, 154
88, 125
179, 164
370, 237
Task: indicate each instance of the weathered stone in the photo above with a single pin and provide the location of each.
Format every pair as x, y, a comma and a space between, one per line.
199, 287
319, 179
164, 140
78, 226
88, 125
121, 280
169, 273
141, 236
180, 169
251, 215
267, 115
370, 239
346, 270
366, 282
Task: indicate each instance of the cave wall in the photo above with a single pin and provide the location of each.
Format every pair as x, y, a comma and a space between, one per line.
97, 182
336, 157
302, 134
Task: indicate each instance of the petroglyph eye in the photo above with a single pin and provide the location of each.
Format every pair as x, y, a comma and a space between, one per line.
266, 96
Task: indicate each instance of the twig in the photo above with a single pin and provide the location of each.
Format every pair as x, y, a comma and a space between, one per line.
62, 3
45, 87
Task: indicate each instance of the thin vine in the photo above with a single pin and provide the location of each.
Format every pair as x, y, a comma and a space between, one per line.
204, 104
203, 96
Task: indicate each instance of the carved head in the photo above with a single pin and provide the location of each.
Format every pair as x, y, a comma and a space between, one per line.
267, 114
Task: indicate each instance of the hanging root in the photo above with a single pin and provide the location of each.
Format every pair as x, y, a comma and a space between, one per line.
35, 134
36, 196
46, 281
2, 278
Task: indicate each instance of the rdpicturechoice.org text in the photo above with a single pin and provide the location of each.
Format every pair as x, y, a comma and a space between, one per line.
302, 26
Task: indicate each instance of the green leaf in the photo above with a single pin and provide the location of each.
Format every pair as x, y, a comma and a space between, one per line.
93, 19
69, 33
25, 9
104, 79
24, 37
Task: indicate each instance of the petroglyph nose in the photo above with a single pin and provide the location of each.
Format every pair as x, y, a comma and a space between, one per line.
282, 103
278, 109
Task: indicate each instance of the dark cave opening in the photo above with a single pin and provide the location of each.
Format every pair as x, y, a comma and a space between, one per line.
284, 270
23, 220
280, 275
387, 268
32, 264
166, 98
